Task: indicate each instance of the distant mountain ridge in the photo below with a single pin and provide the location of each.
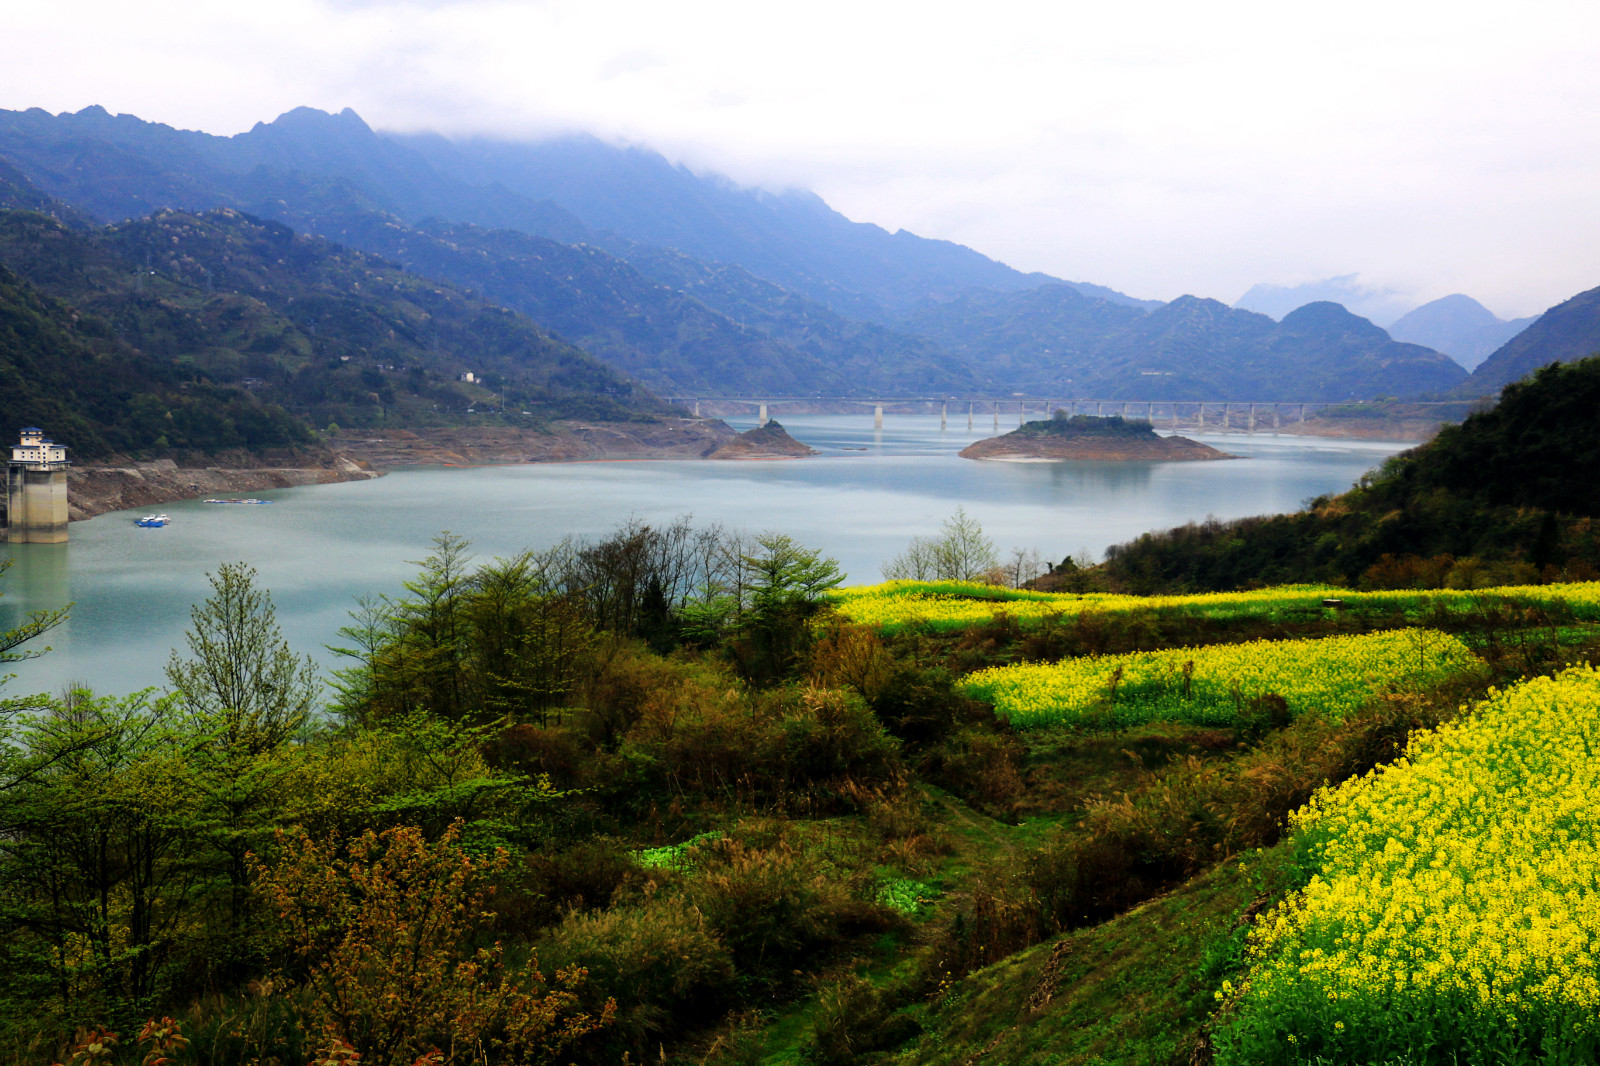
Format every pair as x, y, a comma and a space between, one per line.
1191, 348
692, 284
793, 238
1379, 306
1458, 326
1565, 333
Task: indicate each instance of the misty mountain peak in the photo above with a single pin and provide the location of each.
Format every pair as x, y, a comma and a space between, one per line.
1459, 326
1325, 316
314, 120
1194, 307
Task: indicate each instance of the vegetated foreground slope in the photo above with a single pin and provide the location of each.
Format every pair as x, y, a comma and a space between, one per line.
334, 335
721, 824
1510, 495
1450, 911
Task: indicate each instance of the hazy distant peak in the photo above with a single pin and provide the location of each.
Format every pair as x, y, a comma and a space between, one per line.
1459, 326
311, 119
1190, 306
1324, 316
1459, 307
1379, 306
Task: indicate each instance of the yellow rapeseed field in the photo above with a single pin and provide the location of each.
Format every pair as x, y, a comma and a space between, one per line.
1454, 911
1215, 684
955, 604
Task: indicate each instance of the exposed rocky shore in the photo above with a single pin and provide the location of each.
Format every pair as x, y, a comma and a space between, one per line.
1088, 439
677, 438
1405, 429
770, 441
97, 488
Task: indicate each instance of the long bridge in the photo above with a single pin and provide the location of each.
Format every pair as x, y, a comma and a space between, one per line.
1248, 415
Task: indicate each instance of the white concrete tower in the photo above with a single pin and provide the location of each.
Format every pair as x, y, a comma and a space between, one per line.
36, 490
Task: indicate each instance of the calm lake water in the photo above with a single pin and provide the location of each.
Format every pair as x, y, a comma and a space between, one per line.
318, 548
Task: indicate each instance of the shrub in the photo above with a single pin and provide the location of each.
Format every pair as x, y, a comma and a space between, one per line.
854, 1018
660, 960
982, 767
583, 877
775, 906
383, 930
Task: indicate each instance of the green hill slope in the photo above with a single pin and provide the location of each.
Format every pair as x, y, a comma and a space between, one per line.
328, 333
67, 372
1512, 493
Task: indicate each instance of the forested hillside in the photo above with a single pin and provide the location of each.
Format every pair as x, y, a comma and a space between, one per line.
1510, 493
70, 372
331, 334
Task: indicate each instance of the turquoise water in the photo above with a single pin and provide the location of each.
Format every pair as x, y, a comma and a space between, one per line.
318, 548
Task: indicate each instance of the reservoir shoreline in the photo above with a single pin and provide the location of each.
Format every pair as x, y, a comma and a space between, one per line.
97, 488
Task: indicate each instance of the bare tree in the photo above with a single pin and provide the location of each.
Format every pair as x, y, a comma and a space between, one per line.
961, 552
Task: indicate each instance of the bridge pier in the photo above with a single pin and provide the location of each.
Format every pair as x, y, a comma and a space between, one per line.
697, 408
997, 416
877, 416
1200, 419
1275, 416
763, 414
1252, 424
944, 412
969, 417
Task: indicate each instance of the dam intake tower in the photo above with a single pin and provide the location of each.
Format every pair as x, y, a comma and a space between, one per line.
35, 506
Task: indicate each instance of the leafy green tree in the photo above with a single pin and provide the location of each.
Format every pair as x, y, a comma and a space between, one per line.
242, 682
434, 634
245, 694
785, 583
97, 890
528, 645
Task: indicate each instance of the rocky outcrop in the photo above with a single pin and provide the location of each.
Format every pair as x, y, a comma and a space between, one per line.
1084, 438
770, 441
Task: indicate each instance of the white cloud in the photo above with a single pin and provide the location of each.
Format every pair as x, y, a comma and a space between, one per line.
1157, 147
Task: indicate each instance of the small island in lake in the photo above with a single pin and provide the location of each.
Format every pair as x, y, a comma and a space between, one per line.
1087, 437
770, 441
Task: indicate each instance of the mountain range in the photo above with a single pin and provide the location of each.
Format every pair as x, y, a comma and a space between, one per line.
1460, 327
691, 285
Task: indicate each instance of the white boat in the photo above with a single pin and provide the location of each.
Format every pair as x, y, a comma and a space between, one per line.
152, 521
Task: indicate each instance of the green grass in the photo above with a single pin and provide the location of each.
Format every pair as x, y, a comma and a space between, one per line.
1136, 990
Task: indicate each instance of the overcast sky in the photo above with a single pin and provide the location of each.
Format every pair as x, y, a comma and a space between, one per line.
1159, 148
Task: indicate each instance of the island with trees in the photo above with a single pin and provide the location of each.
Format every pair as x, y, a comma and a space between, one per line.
1085, 437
